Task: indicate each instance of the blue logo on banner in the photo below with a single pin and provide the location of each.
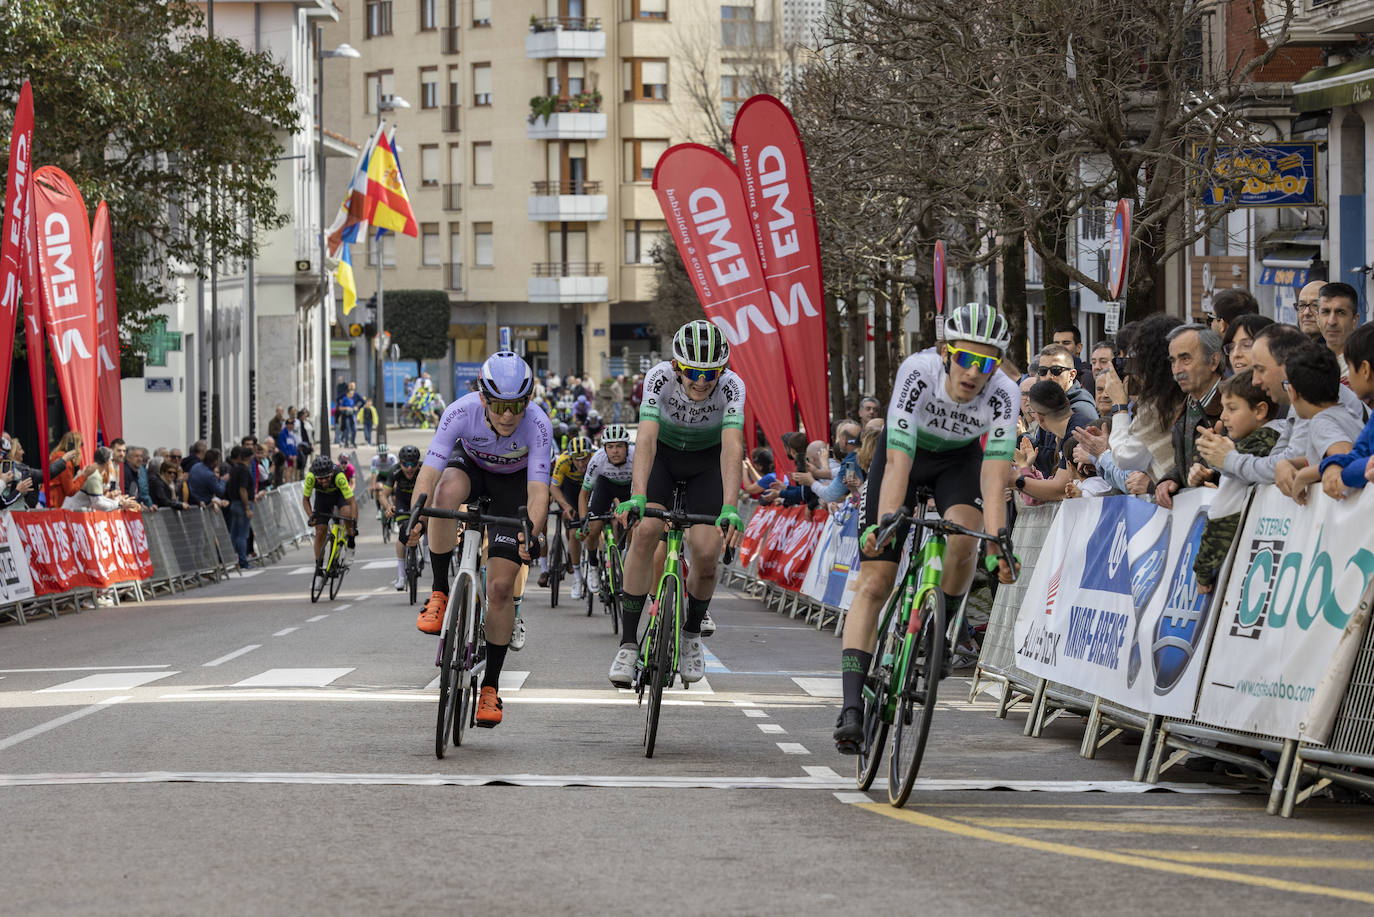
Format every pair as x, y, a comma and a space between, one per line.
1115, 559
1184, 621
846, 556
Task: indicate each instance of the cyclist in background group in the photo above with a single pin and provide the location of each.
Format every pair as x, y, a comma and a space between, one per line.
327, 483
606, 482
944, 400
490, 443
568, 473
394, 497
691, 430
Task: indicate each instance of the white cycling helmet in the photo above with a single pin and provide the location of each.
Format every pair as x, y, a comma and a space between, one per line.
978, 324
615, 433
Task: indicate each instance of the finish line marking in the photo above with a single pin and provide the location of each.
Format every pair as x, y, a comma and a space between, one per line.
60, 721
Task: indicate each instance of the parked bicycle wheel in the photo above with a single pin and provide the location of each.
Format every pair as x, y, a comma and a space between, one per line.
916, 704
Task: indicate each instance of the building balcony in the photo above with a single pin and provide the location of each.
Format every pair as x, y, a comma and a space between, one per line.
567, 202
453, 198
453, 278
566, 37
1318, 22
569, 282
449, 39
576, 117
451, 113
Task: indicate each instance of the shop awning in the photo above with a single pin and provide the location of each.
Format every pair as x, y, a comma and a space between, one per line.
1288, 267
1326, 87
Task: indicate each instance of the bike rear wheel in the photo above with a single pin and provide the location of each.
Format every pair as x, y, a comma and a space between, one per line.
321, 575
876, 723
586, 568
452, 662
916, 704
412, 572
660, 671
613, 582
386, 530
555, 568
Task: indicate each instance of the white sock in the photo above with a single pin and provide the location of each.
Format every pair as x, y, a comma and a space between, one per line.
400, 568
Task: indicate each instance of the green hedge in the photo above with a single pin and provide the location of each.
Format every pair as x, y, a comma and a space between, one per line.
418, 321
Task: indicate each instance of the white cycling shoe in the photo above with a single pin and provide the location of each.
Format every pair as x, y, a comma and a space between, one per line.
691, 659
623, 669
593, 579
708, 627
400, 583
517, 635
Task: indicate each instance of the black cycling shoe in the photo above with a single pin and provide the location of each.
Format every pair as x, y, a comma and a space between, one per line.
849, 731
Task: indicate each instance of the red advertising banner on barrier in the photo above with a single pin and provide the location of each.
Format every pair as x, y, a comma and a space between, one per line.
107, 323
787, 549
67, 550
17, 202
777, 191
755, 531
701, 197
64, 263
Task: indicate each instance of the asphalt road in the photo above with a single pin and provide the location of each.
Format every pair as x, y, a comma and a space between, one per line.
239, 750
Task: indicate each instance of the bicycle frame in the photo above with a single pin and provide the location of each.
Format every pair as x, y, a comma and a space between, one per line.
470, 559
671, 575
922, 575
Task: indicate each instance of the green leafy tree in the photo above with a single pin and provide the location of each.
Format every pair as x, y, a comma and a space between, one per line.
144, 111
418, 321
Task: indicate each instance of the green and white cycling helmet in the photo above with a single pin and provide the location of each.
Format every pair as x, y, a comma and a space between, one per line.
978, 324
615, 433
700, 344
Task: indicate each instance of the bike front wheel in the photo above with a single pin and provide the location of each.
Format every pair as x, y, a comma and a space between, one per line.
336, 574
925, 654
660, 670
452, 672
875, 718
321, 575
412, 574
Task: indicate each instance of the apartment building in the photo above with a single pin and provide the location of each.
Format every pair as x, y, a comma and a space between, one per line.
528, 152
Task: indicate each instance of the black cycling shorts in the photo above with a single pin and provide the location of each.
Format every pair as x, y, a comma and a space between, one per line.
604, 495
955, 478
327, 502
571, 489
508, 492
700, 471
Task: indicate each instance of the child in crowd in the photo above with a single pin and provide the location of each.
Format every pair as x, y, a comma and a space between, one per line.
1086, 482
1245, 411
1314, 385
1352, 469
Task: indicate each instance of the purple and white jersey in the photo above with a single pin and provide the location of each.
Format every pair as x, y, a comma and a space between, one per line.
465, 424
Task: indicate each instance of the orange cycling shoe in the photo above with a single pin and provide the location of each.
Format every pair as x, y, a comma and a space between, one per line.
488, 708
431, 619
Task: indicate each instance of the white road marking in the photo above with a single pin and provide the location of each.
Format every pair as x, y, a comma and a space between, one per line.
522, 780
744, 703
771, 729
243, 650
754, 712
315, 619
297, 571
821, 687
793, 748
853, 798
244, 574
344, 607
292, 678
60, 721
820, 771
87, 668
359, 697
110, 681
286, 630
512, 681
380, 565
433, 685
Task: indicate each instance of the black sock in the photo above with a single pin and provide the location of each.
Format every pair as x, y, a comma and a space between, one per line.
696, 612
496, 657
631, 607
351, 545
952, 604
853, 669
439, 563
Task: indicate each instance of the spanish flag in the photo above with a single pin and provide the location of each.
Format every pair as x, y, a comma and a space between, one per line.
344, 274
388, 207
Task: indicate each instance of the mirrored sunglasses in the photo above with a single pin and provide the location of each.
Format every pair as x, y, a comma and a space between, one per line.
410, 464
697, 374
501, 406
967, 359
1055, 371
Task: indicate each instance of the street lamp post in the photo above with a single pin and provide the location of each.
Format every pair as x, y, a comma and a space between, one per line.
326, 301
384, 103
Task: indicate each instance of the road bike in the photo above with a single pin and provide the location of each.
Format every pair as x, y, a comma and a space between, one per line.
608, 560
585, 565
461, 657
330, 566
415, 556
557, 554
908, 663
657, 664
386, 523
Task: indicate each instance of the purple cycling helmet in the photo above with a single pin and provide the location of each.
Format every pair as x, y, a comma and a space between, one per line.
505, 376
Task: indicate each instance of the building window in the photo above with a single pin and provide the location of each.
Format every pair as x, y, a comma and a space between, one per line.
485, 254
429, 15
734, 92
644, 9
481, 164
1095, 220
388, 244
565, 78
646, 79
383, 80
640, 158
429, 87
429, 164
481, 13
640, 238
455, 162
378, 18
481, 84
429, 244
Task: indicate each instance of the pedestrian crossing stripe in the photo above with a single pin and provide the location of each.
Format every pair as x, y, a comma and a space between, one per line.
293, 678
109, 681
821, 687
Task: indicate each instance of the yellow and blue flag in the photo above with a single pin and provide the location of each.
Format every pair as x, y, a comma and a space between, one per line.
344, 273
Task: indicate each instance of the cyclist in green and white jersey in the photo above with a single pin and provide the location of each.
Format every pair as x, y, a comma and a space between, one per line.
691, 430
944, 401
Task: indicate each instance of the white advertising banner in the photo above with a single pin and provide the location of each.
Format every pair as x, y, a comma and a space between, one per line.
1293, 616
834, 570
1112, 607
16, 583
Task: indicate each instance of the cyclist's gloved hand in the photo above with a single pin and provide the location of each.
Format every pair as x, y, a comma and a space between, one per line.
729, 515
636, 504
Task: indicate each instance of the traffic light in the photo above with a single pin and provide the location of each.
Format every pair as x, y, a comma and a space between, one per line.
366, 323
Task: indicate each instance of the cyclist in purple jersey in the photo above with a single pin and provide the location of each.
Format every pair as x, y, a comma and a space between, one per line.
491, 443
